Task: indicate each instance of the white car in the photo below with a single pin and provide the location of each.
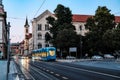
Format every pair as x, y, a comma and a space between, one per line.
108, 56
70, 57
97, 57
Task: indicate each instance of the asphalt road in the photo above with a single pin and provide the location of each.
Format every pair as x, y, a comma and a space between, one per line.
40, 70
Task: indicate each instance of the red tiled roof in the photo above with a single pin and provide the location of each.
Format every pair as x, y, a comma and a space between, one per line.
117, 19
80, 18
83, 18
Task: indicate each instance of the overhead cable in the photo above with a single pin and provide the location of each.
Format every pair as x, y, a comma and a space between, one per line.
39, 8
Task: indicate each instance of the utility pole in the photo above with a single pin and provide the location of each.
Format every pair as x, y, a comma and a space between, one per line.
8, 48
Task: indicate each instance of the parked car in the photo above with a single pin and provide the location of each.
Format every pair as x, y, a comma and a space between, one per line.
70, 57
108, 56
97, 57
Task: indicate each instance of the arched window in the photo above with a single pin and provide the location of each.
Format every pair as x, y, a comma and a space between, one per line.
39, 45
46, 45
39, 36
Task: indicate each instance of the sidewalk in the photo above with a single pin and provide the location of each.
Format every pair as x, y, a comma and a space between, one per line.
102, 64
3, 69
13, 72
12, 75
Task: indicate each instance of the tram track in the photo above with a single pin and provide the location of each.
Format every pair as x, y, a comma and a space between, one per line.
42, 70
36, 73
50, 72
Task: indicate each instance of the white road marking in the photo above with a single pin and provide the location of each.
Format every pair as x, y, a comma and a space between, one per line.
57, 74
64, 77
41, 73
47, 70
51, 72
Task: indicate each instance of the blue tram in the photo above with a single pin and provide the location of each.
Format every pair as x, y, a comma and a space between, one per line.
45, 54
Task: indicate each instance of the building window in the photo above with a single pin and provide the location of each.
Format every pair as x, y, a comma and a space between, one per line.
46, 26
26, 30
39, 27
39, 36
39, 45
80, 27
47, 45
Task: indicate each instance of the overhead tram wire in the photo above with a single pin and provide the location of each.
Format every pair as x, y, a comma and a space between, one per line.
39, 8
16, 18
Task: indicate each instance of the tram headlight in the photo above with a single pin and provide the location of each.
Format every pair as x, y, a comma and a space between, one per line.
52, 53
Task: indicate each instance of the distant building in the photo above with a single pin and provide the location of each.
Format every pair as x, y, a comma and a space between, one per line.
26, 40
30, 43
15, 48
3, 31
21, 47
40, 27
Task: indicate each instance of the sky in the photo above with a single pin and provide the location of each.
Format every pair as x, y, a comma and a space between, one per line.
17, 10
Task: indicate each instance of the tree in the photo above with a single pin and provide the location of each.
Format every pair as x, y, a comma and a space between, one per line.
47, 37
98, 25
62, 29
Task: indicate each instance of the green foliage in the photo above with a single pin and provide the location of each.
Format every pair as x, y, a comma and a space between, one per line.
90, 24
104, 19
63, 14
112, 39
66, 38
118, 26
62, 29
100, 25
47, 37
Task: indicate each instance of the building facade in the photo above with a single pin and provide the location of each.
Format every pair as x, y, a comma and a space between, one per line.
15, 50
40, 27
30, 43
3, 31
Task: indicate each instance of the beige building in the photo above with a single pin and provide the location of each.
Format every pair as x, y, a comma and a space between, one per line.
40, 27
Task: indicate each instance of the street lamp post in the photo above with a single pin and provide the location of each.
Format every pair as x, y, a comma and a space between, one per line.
81, 46
80, 41
8, 47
